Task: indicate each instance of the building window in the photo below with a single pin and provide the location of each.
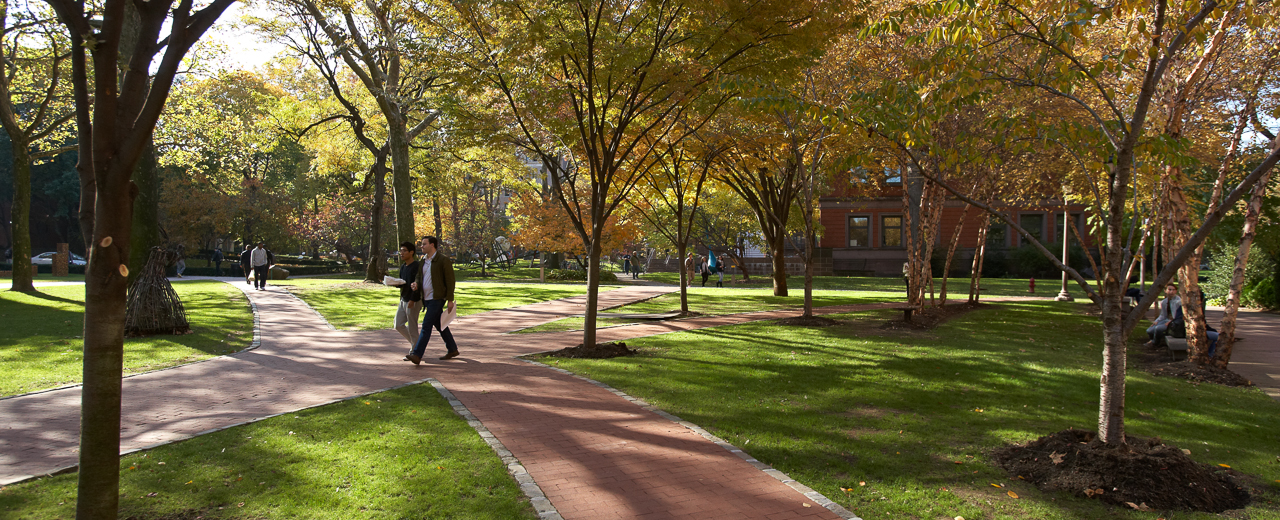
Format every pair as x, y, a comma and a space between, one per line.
891, 231
1076, 218
1033, 223
892, 177
998, 236
859, 231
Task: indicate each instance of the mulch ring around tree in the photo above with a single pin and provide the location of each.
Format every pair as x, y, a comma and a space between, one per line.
598, 351
931, 317
1155, 361
1145, 474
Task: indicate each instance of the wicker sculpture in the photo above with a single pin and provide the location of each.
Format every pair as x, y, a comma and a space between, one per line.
154, 308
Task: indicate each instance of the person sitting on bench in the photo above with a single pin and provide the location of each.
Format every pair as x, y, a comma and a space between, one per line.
1170, 306
1177, 328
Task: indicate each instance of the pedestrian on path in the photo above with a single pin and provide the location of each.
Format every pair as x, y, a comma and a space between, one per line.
706, 271
410, 297
245, 258
689, 264
626, 263
217, 261
436, 280
261, 260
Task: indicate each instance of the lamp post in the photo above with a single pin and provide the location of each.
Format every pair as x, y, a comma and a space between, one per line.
1064, 296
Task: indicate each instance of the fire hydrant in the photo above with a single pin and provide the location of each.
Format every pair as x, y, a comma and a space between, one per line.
1033, 286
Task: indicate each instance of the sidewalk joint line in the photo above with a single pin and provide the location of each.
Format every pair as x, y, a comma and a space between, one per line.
816, 497
546, 510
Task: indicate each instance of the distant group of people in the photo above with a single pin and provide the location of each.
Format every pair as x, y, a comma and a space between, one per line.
706, 266
1170, 321
632, 263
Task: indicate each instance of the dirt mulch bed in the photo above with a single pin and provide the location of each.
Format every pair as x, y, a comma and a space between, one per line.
931, 317
1145, 475
811, 321
1198, 373
1155, 361
598, 351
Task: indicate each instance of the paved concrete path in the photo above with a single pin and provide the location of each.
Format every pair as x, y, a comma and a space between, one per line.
1257, 355
593, 453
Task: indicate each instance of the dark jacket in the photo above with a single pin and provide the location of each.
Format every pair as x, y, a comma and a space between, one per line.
409, 273
442, 279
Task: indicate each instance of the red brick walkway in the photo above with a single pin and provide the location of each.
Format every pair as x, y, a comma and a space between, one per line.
594, 453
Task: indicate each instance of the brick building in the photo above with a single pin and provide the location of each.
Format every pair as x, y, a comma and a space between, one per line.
866, 235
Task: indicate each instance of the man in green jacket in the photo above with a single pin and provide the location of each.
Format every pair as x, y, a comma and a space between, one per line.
436, 281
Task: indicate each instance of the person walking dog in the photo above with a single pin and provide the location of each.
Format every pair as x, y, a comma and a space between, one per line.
410, 297
436, 280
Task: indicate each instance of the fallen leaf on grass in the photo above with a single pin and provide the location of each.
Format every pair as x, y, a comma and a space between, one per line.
997, 485
160, 463
189, 481
862, 483
240, 504
1140, 507
1056, 457
1186, 452
1011, 494
1225, 466
1092, 492
153, 493
979, 410
957, 462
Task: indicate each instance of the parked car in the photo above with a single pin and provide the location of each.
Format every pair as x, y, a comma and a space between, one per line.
47, 259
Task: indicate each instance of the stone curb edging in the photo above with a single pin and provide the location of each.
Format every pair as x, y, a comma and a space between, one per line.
546, 511
253, 345
74, 467
816, 497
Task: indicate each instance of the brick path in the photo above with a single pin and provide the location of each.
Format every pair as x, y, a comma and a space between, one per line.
593, 453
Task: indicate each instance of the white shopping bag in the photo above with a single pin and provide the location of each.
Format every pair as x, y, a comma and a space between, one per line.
392, 281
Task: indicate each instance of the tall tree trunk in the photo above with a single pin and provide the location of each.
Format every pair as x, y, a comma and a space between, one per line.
99, 475
593, 288
1189, 273
777, 251
146, 211
401, 184
374, 269
435, 213
21, 217
808, 266
979, 254
1111, 383
1227, 333
681, 248
951, 253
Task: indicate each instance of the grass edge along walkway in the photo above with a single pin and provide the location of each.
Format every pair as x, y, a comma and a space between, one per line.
202, 463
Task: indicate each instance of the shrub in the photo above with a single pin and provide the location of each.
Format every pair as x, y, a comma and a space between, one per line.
1261, 294
1222, 262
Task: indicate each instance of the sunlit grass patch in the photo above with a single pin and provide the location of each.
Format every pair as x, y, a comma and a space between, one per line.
41, 343
397, 454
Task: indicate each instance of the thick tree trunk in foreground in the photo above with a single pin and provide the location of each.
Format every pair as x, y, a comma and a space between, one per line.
21, 218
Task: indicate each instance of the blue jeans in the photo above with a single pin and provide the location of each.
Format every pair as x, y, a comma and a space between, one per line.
434, 309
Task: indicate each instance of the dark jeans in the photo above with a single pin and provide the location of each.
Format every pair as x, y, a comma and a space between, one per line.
217, 268
260, 276
434, 309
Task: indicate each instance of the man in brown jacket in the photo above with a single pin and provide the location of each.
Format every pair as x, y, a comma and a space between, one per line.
436, 281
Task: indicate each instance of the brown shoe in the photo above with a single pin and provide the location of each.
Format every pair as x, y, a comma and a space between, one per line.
450, 355
412, 358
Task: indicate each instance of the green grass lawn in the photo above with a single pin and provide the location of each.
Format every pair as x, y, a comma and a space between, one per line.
40, 343
396, 454
712, 300
367, 306
877, 420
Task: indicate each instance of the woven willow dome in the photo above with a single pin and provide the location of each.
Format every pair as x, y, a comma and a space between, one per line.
154, 308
